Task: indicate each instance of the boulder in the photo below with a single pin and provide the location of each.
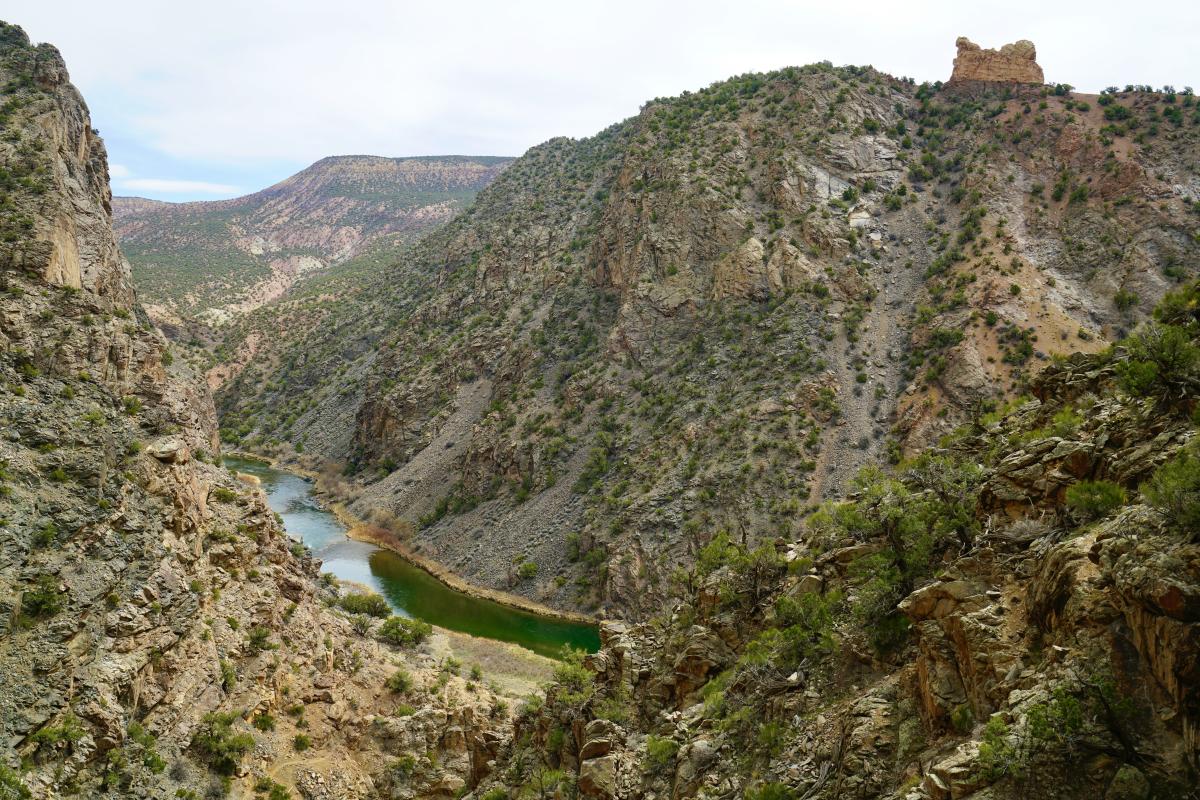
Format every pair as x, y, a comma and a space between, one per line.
938, 600
599, 737
169, 450
598, 777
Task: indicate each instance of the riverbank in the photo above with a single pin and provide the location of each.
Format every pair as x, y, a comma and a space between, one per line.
362, 531
286, 465
372, 558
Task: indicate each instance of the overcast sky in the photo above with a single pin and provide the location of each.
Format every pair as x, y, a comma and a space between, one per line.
217, 98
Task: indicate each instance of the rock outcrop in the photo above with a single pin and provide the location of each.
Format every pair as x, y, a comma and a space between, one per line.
153, 611
1012, 63
1054, 657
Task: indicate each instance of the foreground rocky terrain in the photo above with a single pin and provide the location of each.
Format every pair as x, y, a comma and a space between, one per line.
710, 316
206, 262
1010, 615
159, 634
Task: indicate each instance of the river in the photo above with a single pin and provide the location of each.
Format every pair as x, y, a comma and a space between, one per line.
412, 591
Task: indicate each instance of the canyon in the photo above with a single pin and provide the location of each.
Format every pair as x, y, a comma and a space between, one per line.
860, 414
710, 316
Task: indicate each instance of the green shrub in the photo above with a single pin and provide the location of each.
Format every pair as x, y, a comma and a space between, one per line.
366, 603
615, 708
574, 681
660, 751
259, 639
218, 743
545, 783
917, 516
11, 787
45, 535
399, 681
404, 766
1175, 491
43, 600
1162, 361
998, 757
770, 738
273, 790
1095, 499
404, 631
1065, 423
1181, 308
962, 718
301, 742
771, 791
806, 626
1125, 300
67, 732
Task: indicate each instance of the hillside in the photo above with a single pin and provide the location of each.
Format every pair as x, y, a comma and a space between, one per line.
157, 625
215, 260
710, 316
1011, 615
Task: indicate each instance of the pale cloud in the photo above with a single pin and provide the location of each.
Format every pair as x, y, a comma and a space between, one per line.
118, 171
247, 91
169, 186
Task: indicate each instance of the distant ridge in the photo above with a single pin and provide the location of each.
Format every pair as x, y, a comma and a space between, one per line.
211, 260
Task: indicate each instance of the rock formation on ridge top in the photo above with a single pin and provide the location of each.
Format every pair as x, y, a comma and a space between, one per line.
1012, 63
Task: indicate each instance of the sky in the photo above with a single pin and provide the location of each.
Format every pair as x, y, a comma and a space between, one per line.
213, 99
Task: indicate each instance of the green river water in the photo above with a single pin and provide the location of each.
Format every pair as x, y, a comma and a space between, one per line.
411, 591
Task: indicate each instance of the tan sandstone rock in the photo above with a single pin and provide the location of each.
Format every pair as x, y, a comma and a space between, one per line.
1012, 63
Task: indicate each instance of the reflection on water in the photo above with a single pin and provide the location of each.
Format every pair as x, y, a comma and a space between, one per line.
410, 590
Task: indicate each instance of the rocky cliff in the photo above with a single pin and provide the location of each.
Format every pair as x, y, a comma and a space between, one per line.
710, 315
1012, 63
160, 636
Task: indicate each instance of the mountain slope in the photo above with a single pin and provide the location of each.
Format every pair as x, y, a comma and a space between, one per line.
1012, 614
711, 315
157, 626
219, 259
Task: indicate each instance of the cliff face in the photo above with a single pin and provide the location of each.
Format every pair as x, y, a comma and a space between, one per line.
711, 315
212, 261
1012, 63
58, 212
156, 625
